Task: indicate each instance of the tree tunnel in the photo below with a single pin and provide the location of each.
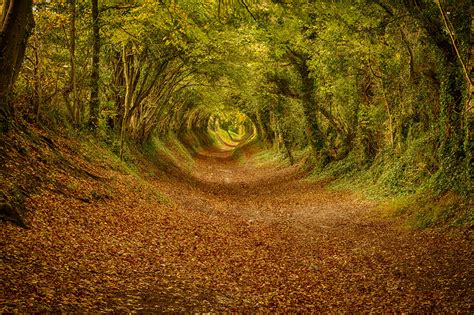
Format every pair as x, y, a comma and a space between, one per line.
134, 70
226, 128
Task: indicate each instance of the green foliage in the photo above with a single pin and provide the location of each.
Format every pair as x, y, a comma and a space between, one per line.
431, 210
169, 150
367, 92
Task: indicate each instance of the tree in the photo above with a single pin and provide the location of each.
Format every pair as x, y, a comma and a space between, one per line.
94, 104
450, 39
15, 28
358, 82
74, 106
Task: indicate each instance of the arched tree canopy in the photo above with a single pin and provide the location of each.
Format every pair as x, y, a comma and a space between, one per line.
359, 81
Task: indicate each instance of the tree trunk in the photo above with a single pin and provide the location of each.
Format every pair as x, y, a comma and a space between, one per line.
127, 99
37, 70
454, 84
94, 100
72, 63
310, 110
15, 27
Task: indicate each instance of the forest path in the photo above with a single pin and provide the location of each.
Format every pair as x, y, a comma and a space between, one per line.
269, 239
235, 235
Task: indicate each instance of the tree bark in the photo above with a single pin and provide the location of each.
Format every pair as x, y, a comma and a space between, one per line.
310, 108
37, 72
95, 73
16, 25
72, 61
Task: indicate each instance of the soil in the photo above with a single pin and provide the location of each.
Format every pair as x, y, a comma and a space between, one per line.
235, 235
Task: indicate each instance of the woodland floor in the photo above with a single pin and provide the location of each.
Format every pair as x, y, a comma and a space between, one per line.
235, 235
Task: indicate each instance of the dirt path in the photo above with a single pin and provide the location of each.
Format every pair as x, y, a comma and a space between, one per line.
237, 237
275, 241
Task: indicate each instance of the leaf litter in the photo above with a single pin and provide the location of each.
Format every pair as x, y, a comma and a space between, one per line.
235, 236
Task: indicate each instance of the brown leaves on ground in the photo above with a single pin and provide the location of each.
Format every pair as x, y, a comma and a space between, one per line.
235, 237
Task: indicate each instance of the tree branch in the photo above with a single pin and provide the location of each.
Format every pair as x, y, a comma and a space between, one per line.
248, 10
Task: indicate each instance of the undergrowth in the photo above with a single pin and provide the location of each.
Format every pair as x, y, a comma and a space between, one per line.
430, 210
270, 156
105, 152
403, 184
163, 154
168, 150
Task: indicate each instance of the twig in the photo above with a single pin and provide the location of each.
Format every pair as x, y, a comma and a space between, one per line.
248, 9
